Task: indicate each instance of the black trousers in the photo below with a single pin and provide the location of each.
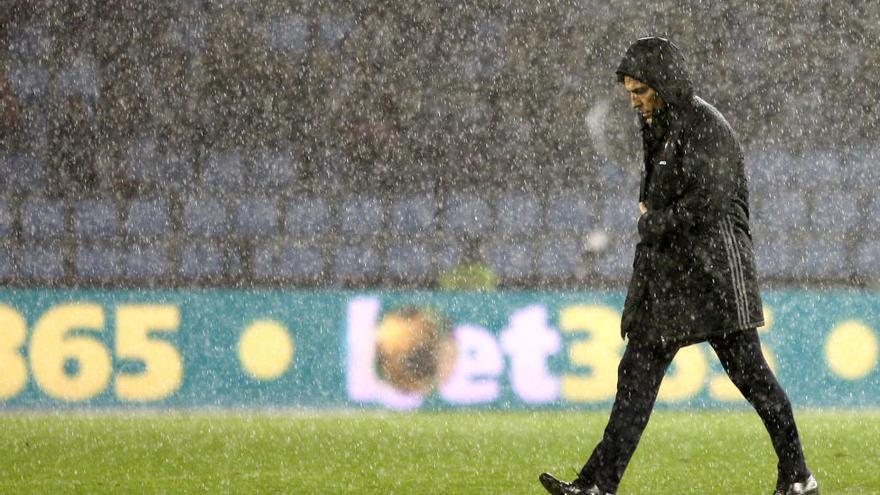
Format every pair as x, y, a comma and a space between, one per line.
638, 379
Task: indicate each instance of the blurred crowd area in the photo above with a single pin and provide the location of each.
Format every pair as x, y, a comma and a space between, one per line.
388, 142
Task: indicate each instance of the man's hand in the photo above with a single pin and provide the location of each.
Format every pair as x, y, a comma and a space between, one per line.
642, 208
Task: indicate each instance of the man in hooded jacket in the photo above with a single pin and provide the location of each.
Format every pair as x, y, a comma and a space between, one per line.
693, 275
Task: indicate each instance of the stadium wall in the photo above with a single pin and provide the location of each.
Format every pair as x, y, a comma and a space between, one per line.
403, 350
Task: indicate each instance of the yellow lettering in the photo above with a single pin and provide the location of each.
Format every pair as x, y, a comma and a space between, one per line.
13, 370
600, 352
52, 347
163, 366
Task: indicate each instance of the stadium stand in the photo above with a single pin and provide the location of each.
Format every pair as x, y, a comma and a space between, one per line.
334, 145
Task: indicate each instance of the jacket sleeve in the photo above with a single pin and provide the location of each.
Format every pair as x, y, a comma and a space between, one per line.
708, 184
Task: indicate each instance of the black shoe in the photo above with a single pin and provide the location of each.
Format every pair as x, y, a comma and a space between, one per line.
557, 487
808, 487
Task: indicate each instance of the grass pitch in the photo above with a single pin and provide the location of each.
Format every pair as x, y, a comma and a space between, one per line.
432, 453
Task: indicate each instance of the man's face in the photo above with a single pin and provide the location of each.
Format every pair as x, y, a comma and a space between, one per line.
642, 97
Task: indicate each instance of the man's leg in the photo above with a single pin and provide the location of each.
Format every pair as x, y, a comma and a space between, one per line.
639, 375
740, 354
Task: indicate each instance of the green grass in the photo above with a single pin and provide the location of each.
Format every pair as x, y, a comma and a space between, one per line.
444, 453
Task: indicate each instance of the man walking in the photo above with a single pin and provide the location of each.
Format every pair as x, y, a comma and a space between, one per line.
693, 275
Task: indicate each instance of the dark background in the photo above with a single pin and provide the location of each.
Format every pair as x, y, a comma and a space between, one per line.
383, 143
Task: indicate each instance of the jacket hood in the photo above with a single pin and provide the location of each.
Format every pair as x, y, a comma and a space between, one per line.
658, 63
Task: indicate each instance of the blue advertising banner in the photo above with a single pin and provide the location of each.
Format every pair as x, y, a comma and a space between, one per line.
62, 349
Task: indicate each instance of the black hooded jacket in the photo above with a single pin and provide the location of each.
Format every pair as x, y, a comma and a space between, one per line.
694, 268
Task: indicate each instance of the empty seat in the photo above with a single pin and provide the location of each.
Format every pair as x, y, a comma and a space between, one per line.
7, 260
98, 262
334, 28
202, 260
308, 216
42, 218
256, 217
413, 215
300, 261
205, 217
571, 212
558, 258
783, 212
188, 30
867, 259
30, 83
286, 259
777, 256
820, 169
23, 173
511, 259
148, 218
860, 168
410, 261
466, 214
152, 165
834, 212
80, 77
175, 170
223, 171
517, 214
771, 170
356, 263
616, 262
41, 262
869, 224
274, 171
290, 34
95, 218
29, 43
825, 258
448, 254
620, 214
614, 180
147, 262
6, 219
362, 215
